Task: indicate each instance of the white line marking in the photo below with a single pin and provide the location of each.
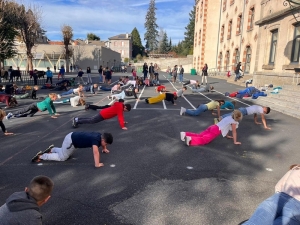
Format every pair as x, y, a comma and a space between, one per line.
182, 95
135, 105
155, 109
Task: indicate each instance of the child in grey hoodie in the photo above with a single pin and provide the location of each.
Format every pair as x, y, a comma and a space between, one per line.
23, 207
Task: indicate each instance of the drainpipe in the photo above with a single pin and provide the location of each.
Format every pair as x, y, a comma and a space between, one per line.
242, 31
218, 41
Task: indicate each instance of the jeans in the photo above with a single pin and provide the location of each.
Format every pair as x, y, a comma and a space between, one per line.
237, 76
95, 119
69, 92
145, 75
279, 209
204, 137
63, 153
100, 78
242, 110
181, 77
89, 78
49, 78
105, 89
202, 108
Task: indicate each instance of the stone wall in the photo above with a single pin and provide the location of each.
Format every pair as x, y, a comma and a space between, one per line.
277, 79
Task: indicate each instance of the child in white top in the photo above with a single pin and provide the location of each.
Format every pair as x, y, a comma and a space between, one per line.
227, 124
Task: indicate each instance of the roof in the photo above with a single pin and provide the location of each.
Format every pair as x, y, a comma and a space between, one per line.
120, 37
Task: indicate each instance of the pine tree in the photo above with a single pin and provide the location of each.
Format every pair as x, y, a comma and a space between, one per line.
170, 46
188, 43
137, 47
151, 27
164, 47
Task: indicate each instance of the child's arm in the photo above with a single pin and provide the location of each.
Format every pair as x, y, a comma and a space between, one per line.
4, 129
97, 156
263, 119
234, 135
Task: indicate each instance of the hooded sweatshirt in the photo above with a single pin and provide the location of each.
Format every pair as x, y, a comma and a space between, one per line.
20, 208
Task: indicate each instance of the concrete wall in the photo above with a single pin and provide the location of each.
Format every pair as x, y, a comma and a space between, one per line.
124, 47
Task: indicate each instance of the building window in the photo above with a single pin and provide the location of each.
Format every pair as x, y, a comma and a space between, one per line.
224, 5
296, 44
195, 41
239, 25
248, 59
273, 46
201, 9
220, 61
229, 29
122, 53
222, 33
197, 13
227, 61
115, 43
199, 39
237, 55
231, 2
251, 18
122, 43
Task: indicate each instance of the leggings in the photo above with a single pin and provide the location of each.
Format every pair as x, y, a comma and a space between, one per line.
95, 107
49, 78
2, 126
205, 136
95, 119
32, 108
157, 99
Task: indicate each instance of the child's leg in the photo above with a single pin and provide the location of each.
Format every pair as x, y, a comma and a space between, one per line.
205, 79
157, 99
196, 112
205, 137
63, 153
94, 119
68, 92
26, 109
95, 107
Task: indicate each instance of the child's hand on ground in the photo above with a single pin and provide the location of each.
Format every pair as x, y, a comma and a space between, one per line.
105, 151
214, 113
54, 117
257, 123
99, 165
237, 143
268, 128
228, 136
124, 128
56, 114
125, 122
174, 104
6, 133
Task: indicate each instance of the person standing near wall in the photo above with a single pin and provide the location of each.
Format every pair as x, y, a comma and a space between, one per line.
100, 71
181, 71
89, 78
204, 73
62, 72
237, 71
145, 70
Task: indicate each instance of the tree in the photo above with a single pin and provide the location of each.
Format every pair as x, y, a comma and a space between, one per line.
137, 47
8, 32
188, 43
67, 33
164, 46
151, 27
92, 37
170, 45
29, 29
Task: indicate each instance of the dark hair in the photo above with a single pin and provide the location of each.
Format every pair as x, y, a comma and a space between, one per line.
184, 88
268, 110
221, 101
121, 100
128, 107
108, 138
175, 97
40, 187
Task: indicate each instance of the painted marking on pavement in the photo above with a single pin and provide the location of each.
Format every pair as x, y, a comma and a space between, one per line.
154, 109
135, 105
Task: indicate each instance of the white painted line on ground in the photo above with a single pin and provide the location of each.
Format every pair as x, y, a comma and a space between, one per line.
182, 95
155, 109
135, 105
163, 101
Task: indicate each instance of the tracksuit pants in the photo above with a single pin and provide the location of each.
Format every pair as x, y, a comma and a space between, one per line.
157, 99
205, 136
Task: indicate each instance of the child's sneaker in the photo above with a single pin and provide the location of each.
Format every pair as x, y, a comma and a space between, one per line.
36, 158
146, 100
9, 115
48, 150
182, 111
182, 136
188, 140
74, 122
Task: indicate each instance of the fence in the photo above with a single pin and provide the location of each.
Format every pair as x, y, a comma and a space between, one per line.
25, 79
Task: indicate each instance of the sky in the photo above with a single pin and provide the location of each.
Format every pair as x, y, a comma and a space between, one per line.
107, 18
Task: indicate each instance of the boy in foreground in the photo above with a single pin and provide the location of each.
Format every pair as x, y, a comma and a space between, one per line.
23, 207
75, 140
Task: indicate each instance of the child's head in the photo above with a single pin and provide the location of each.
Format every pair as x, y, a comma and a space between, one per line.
36, 87
266, 110
48, 68
106, 139
2, 114
81, 101
184, 88
95, 85
237, 115
175, 96
13, 101
127, 107
221, 102
53, 96
80, 86
40, 188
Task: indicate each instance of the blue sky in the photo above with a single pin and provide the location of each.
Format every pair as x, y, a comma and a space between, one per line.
107, 18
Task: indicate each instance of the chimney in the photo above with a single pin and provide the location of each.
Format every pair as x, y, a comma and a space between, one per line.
126, 35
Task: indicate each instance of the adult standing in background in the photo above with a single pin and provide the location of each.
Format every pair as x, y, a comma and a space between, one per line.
181, 71
71, 67
151, 72
174, 73
62, 72
237, 71
204, 73
18, 74
100, 71
89, 78
156, 74
145, 70
10, 74
54, 68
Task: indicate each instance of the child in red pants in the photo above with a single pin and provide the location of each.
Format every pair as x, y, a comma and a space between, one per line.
223, 127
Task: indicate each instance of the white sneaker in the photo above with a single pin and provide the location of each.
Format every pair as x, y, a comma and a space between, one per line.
188, 140
9, 115
182, 136
182, 111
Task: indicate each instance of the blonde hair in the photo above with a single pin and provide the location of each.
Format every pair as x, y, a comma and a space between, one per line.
237, 115
2, 114
52, 95
81, 101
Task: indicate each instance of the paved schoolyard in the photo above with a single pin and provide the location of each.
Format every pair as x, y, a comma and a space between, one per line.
150, 176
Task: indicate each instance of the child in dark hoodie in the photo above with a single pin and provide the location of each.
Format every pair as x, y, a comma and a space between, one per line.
23, 207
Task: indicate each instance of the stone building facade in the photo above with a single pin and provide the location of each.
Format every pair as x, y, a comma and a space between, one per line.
262, 34
122, 44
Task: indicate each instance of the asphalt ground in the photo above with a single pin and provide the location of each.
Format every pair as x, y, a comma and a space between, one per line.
150, 176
